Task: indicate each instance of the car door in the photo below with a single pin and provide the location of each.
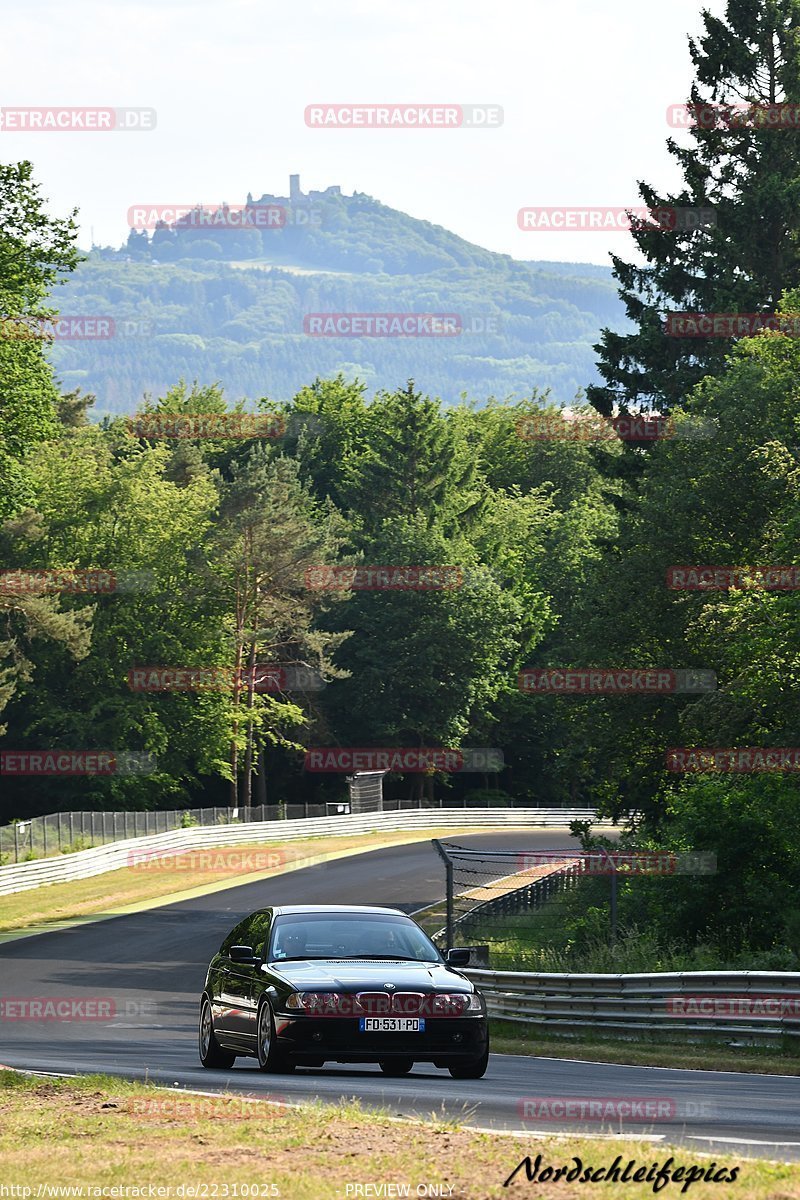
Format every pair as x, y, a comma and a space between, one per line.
244, 981
231, 989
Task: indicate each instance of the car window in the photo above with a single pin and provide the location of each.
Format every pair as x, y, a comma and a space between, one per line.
259, 933
252, 931
235, 937
349, 935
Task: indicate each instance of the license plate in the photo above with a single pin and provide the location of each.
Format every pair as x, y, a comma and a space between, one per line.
391, 1024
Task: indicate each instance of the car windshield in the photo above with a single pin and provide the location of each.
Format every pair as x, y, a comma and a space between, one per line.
350, 935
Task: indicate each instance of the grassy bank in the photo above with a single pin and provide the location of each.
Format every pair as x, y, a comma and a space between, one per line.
103, 1133
572, 933
647, 1051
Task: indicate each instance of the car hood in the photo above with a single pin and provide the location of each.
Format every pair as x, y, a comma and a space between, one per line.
331, 974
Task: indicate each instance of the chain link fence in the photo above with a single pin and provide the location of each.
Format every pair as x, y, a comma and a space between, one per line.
482, 884
66, 832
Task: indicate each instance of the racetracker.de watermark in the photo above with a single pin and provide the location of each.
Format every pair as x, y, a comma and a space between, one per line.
64, 328
734, 116
741, 760
576, 681
77, 120
602, 1109
624, 862
76, 762
383, 1004
74, 583
206, 425
603, 219
73, 1008
181, 1107
571, 426
403, 759
723, 579
383, 579
264, 677
731, 1006
404, 116
229, 862
703, 325
382, 324
221, 216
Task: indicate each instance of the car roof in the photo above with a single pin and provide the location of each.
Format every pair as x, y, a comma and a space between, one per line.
285, 909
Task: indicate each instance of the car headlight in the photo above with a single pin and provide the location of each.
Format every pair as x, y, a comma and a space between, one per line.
456, 1004
320, 1003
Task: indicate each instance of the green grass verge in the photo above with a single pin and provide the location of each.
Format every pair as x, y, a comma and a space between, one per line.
101, 1133
508, 1037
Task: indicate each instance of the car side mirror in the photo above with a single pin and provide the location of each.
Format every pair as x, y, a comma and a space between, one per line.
457, 958
241, 954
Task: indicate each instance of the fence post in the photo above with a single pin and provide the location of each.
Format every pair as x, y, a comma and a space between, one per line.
16, 842
613, 866
71, 828
448, 867
59, 831
44, 837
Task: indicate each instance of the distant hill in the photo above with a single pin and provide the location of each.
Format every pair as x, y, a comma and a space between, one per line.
203, 298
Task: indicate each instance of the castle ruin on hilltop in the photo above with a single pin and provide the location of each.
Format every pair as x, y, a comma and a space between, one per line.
295, 194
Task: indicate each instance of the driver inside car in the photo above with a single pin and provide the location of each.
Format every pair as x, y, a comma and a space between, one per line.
292, 944
380, 942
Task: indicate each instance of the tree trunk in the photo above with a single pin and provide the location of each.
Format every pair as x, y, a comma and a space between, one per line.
248, 753
261, 778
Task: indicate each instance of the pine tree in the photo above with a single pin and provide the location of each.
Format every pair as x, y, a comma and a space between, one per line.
750, 176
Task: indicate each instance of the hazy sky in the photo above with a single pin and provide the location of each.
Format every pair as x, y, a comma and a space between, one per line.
584, 85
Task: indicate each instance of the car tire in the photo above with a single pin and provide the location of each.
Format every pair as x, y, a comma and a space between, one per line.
396, 1066
212, 1055
269, 1056
474, 1069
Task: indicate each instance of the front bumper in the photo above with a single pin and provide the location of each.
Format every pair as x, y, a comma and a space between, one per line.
339, 1039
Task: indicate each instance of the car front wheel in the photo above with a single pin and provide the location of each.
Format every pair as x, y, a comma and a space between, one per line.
474, 1069
269, 1056
211, 1053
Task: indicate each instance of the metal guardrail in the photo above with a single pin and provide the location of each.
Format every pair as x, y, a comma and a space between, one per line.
83, 864
690, 1002
67, 832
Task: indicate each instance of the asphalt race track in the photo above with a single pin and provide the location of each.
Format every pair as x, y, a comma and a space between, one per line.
152, 966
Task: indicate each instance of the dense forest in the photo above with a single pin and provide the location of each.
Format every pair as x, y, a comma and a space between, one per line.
558, 552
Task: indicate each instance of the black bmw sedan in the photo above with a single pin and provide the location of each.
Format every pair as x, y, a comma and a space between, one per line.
303, 985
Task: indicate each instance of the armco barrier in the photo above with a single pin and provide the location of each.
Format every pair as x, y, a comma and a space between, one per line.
83, 864
641, 1003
